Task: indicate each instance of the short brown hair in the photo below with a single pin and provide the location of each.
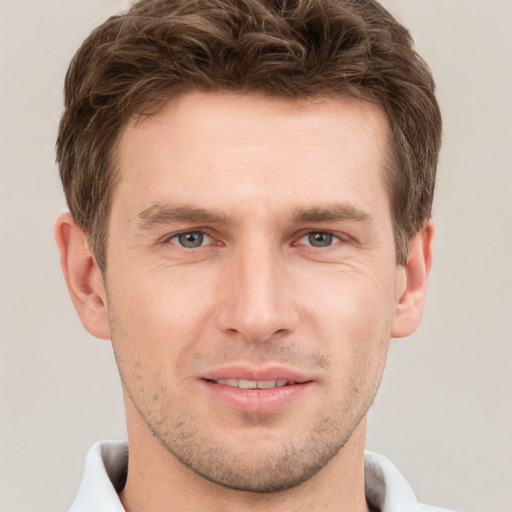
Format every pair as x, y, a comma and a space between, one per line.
135, 62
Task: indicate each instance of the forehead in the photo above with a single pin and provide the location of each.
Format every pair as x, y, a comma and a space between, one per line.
228, 147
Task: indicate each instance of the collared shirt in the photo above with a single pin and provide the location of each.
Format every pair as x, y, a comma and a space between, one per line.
107, 463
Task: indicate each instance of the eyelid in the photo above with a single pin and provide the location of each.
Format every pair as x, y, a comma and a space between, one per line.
170, 236
340, 237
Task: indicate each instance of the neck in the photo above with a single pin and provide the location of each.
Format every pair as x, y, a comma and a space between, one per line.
158, 481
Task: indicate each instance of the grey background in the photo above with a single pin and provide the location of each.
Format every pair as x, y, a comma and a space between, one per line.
444, 412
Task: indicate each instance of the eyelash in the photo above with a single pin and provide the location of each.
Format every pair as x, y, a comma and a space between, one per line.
332, 238
199, 232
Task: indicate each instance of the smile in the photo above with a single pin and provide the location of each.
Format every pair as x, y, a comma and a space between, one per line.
254, 384
264, 395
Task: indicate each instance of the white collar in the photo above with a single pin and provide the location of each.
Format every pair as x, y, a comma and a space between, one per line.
107, 462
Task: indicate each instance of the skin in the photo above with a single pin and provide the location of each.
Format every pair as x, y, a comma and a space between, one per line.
294, 272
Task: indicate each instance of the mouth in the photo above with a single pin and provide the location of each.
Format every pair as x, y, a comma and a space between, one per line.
258, 394
255, 384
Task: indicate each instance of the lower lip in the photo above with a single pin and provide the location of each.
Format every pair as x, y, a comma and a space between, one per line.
257, 401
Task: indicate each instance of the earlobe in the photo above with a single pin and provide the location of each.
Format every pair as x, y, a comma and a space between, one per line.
83, 277
415, 273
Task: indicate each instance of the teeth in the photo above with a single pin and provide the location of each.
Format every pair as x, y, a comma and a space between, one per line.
247, 384
253, 384
266, 384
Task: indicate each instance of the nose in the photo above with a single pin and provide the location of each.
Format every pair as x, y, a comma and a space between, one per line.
257, 302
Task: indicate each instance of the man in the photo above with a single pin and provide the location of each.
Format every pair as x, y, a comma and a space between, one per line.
250, 185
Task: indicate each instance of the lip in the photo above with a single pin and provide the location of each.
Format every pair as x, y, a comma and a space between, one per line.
257, 401
251, 373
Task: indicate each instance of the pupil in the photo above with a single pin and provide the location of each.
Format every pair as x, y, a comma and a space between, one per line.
320, 239
191, 239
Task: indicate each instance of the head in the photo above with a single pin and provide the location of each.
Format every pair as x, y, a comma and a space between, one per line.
133, 64
251, 185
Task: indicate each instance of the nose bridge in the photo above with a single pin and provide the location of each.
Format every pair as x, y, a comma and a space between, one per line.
257, 302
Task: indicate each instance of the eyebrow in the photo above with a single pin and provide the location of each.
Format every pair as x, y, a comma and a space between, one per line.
330, 213
160, 214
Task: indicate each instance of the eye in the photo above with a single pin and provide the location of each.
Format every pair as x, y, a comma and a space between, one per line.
190, 239
319, 239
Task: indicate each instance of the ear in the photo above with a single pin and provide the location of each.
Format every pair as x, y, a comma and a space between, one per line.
412, 283
83, 276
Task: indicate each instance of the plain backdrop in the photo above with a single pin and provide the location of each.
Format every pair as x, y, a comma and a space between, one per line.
444, 411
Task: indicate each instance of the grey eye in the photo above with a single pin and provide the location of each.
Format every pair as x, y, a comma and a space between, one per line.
190, 240
319, 239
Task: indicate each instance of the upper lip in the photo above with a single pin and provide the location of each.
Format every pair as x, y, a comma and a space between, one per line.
257, 374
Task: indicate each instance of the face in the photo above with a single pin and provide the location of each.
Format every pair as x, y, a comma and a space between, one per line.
252, 281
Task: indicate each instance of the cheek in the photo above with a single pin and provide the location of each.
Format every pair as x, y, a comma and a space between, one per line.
159, 314
351, 301
351, 315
